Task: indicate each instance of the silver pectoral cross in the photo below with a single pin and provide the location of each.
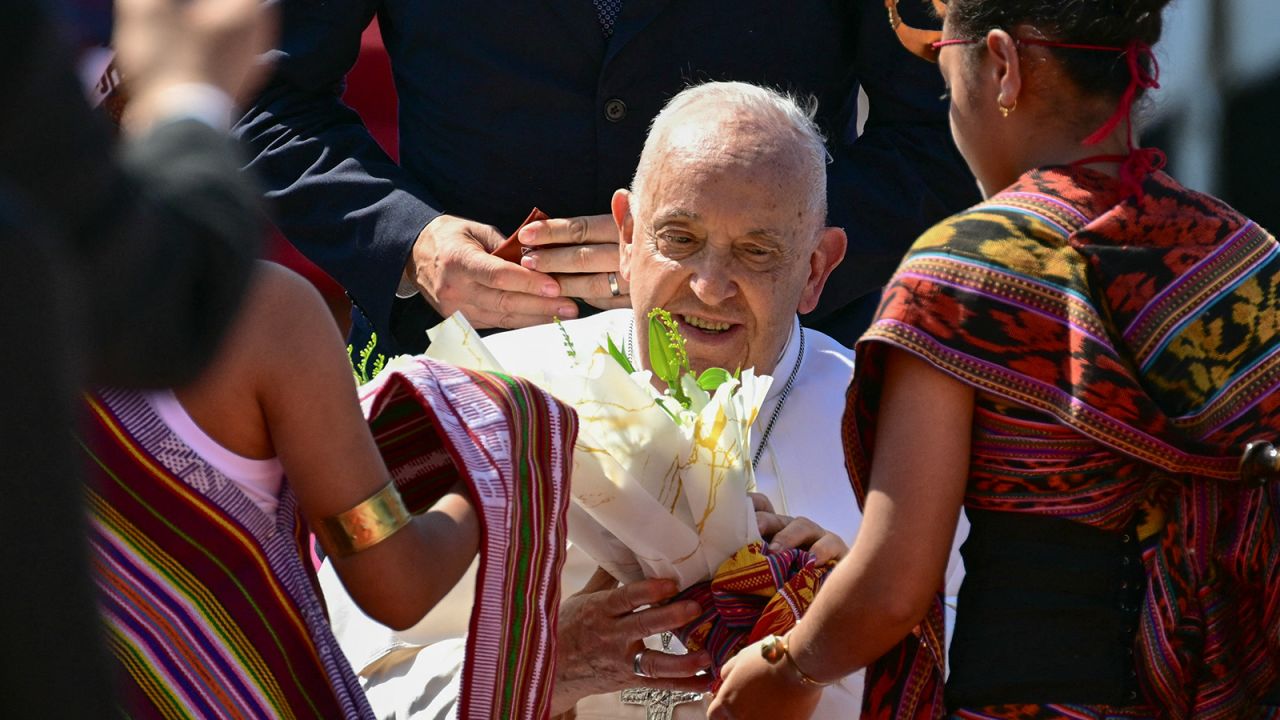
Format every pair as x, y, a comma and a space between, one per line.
658, 704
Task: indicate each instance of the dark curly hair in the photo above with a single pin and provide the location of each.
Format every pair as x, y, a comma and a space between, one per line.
1095, 22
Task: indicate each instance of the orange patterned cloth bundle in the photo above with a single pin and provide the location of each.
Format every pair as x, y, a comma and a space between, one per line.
755, 593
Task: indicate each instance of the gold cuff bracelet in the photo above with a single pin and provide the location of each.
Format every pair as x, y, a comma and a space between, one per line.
365, 525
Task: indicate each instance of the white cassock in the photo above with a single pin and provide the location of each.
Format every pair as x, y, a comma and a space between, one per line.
414, 673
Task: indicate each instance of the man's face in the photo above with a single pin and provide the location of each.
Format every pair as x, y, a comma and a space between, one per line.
725, 243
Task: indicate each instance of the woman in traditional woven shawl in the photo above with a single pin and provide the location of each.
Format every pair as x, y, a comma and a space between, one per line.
1080, 361
201, 500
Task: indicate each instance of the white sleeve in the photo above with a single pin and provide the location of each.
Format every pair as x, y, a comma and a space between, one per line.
421, 683
413, 674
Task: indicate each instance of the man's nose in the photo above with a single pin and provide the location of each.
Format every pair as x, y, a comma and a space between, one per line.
713, 280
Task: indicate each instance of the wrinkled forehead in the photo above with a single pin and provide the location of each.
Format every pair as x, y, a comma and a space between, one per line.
694, 153
712, 132
748, 192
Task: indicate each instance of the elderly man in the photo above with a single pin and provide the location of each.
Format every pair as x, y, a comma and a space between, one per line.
506, 105
724, 227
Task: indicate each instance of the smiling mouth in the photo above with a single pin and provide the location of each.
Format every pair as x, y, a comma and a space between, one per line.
706, 325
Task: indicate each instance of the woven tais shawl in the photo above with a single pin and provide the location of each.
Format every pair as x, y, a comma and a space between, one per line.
753, 594
211, 606
516, 443
1124, 352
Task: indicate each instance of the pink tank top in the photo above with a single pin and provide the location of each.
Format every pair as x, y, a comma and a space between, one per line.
258, 479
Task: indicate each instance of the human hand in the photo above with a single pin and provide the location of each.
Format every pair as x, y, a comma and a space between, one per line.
584, 264
761, 504
783, 533
751, 687
452, 267
164, 43
601, 631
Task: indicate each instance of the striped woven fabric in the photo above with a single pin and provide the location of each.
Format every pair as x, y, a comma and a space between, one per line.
752, 595
1123, 351
515, 443
211, 606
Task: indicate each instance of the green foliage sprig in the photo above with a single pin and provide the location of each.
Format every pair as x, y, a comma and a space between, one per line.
620, 357
669, 359
369, 364
564, 338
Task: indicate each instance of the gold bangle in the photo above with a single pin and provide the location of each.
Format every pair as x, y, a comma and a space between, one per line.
775, 648
365, 525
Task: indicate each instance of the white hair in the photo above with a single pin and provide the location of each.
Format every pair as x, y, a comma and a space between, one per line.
767, 112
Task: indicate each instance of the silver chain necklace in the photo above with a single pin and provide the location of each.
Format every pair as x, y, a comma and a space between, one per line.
782, 399
782, 396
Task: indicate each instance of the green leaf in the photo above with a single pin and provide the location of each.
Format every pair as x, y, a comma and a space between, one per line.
619, 356
667, 353
712, 378
661, 355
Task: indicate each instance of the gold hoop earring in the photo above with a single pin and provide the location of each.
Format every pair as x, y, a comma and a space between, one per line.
1004, 111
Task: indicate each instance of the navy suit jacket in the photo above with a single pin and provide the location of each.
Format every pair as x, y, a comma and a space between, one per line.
509, 104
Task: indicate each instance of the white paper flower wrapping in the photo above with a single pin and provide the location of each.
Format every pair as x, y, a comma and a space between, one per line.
652, 497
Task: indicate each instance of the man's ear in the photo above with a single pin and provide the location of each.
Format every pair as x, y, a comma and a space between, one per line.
826, 256
621, 207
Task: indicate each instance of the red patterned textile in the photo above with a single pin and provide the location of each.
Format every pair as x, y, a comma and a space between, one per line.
210, 604
1124, 349
755, 593
207, 605
513, 443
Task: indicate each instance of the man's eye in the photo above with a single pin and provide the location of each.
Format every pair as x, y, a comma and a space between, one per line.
676, 244
757, 256
757, 251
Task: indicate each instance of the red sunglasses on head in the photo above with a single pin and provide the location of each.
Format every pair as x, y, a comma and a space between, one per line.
937, 45
927, 43
1138, 162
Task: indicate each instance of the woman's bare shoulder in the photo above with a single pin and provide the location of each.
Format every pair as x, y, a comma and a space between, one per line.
282, 322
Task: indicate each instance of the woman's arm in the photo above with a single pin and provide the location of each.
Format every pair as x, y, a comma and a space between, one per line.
883, 588
282, 385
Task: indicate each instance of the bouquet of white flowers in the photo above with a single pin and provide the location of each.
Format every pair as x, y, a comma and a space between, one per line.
660, 478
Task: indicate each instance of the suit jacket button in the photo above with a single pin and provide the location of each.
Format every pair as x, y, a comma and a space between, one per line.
615, 110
